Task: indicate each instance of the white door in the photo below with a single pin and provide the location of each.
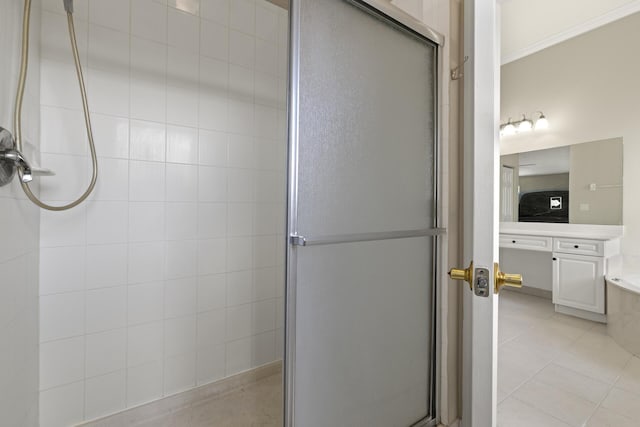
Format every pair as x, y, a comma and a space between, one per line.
481, 207
363, 224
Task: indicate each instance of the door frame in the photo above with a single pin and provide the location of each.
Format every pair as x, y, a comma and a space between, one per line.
440, 206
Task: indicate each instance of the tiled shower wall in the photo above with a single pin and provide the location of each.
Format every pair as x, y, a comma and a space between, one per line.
19, 221
171, 275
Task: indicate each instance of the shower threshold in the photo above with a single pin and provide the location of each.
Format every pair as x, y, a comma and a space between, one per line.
250, 398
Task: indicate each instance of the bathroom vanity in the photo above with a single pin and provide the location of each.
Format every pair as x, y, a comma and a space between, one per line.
575, 257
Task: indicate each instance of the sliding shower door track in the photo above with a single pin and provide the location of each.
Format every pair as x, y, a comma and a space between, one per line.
298, 240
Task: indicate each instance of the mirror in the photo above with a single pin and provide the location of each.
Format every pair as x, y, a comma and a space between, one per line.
576, 184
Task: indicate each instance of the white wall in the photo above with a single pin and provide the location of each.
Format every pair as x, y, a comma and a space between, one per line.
19, 241
171, 275
588, 88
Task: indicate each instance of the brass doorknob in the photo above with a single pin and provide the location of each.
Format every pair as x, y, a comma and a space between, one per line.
463, 274
506, 279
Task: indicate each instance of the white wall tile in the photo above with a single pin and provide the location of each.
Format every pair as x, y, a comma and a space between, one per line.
210, 363
238, 322
62, 269
239, 287
213, 109
240, 221
145, 303
242, 48
265, 251
61, 362
182, 183
264, 316
61, 316
62, 406
146, 181
182, 106
107, 222
106, 352
148, 141
146, 262
180, 297
145, 343
212, 184
215, 10
106, 309
182, 67
71, 179
242, 15
113, 180
241, 185
183, 30
63, 229
264, 283
212, 220
266, 60
212, 148
182, 221
241, 117
149, 20
111, 135
180, 336
212, 256
241, 151
106, 265
264, 348
146, 221
239, 253
239, 356
144, 383
266, 21
63, 131
179, 373
114, 14
109, 92
105, 394
212, 292
108, 49
214, 40
182, 145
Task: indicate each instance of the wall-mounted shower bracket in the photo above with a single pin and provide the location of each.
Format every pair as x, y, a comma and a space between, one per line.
12, 160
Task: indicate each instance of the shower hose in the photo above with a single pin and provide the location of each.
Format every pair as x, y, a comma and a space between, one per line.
17, 118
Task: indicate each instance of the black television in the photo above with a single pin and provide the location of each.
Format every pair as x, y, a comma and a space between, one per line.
544, 206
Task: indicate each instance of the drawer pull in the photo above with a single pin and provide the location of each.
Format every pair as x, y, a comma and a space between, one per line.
576, 246
513, 241
555, 259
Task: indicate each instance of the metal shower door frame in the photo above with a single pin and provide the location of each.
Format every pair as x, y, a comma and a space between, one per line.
394, 17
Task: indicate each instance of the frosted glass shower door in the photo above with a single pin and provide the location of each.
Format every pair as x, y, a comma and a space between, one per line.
362, 220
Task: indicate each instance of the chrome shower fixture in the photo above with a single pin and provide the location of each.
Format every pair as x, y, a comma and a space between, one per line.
12, 157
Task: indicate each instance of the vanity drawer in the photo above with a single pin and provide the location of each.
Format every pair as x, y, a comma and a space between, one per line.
578, 246
531, 243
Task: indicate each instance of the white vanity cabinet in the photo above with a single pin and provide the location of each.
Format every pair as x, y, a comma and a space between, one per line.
578, 282
581, 256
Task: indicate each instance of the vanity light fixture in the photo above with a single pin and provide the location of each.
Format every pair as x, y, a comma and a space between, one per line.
524, 125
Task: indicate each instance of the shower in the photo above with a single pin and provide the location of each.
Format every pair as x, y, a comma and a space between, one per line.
11, 149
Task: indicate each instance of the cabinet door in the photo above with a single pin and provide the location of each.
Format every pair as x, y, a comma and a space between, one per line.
578, 281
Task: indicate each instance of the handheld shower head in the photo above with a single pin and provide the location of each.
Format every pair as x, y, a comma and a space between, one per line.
68, 6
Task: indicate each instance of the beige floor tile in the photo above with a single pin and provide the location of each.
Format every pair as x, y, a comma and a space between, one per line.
514, 413
602, 363
555, 402
624, 403
630, 377
573, 382
606, 418
511, 326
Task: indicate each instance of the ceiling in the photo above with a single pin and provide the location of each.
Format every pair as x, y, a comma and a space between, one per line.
544, 162
529, 26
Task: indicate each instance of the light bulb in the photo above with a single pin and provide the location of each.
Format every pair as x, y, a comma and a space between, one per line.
508, 129
525, 125
542, 122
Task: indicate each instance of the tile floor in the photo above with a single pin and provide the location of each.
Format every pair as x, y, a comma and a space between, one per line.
558, 370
